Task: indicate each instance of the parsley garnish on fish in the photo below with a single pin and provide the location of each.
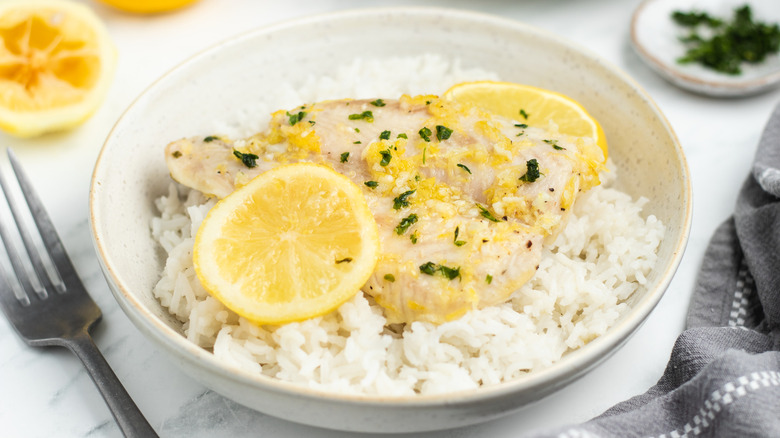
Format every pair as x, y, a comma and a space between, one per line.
357, 142
521, 125
431, 268
455, 239
385, 135
531, 171
378, 102
725, 45
344, 260
402, 135
554, 144
368, 116
344, 157
402, 200
524, 114
371, 184
425, 133
386, 157
489, 279
405, 224
428, 268
295, 118
413, 237
463, 166
443, 132
389, 277
249, 160
486, 213
210, 138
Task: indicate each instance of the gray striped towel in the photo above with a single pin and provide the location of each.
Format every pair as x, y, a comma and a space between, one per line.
723, 376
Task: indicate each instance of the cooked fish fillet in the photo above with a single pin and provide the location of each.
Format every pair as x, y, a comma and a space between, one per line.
464, 199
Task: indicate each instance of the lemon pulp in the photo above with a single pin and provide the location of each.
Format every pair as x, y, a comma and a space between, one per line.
56, 64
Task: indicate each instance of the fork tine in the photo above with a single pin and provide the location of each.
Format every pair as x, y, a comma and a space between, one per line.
25, 273
55, 254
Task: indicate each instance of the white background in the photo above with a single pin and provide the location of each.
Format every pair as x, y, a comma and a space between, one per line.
47, 393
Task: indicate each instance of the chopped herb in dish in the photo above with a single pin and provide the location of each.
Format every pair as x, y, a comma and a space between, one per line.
488, 279
389, 277
531, 171
455, 239
345, 157
487, 214
368, 116
443, 132
386, 157
344, 260
463, 166
378, 102
385, 135
725, 45
249, 160
297, 117
371, 184
402, 200
425, 133
413, 237
405, 223
402, 135
523, 114
210, 138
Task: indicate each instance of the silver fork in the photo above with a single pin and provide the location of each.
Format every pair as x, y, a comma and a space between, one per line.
46, 302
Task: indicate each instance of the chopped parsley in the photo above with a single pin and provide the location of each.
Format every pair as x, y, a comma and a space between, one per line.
372, 184
554, 144
295, 118
386, 157
524, 114
312, 122
385, 135
428, 268
455, 239
405, 223
357, 142
425, 133
531, 171
521, 125
413, 237
368, 116
463, 166
210, 138
431, 268
488, 279
344, 260
389, 277
402, 135
402, 200
378, 102
443, 132
249, 160
725, 45
487, 214
345, 157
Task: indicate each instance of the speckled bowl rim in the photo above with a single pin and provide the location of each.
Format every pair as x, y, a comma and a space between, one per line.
695, 83
584, 357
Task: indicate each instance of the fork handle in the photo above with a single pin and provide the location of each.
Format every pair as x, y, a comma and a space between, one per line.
127, 415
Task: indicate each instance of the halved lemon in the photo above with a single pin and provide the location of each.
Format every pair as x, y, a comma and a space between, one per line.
532, 105
148, 6
294, 243
56, 65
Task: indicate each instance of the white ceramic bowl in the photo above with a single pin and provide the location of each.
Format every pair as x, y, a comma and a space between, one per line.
130, 173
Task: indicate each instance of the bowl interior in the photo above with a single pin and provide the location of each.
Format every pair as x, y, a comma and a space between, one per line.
219, 88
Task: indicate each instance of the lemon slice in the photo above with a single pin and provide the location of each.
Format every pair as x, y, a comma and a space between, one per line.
535, 106
148, 6
294, 243
56, 64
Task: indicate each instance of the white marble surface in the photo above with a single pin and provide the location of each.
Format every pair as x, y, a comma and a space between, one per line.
45, 393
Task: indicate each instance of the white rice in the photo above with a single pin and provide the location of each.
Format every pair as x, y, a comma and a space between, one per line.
596, 263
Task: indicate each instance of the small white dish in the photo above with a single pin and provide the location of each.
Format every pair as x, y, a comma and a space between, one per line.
655, 37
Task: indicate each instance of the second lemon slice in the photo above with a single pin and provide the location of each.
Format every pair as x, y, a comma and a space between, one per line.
294, 243
536, 106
